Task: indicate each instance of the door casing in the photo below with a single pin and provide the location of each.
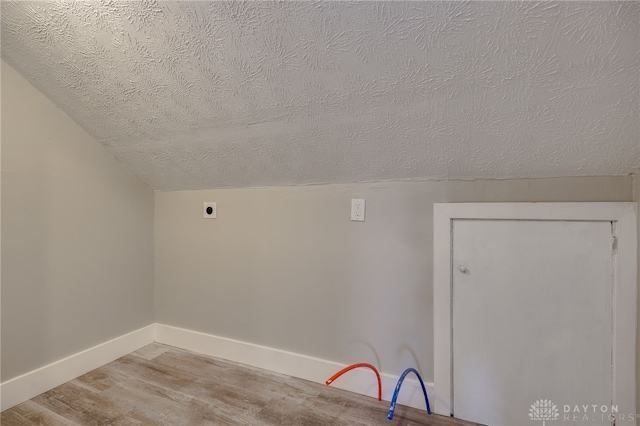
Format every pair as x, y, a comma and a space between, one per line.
624, 218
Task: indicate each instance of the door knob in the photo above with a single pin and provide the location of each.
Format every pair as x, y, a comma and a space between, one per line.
463, 269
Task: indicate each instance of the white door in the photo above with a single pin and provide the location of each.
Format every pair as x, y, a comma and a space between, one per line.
531, 320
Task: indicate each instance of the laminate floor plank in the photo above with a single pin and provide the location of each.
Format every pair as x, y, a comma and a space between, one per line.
159, 405
165, 374
151, 351
100, 379
76, 404
163, 385
31, 413
250, 379
291, 411
229, 395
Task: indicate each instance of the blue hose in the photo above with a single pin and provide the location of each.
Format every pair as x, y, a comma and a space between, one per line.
395, 393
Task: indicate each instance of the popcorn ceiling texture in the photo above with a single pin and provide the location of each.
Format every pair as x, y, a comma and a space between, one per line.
197, 95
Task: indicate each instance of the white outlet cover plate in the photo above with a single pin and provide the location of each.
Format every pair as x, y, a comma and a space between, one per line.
357, 209
213, 213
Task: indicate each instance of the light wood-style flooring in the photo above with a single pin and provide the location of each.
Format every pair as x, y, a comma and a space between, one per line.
164, 385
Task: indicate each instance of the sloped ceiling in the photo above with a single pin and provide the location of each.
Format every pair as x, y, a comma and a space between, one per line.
215, 94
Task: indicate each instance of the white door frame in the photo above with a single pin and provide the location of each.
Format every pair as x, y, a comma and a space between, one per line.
625, 287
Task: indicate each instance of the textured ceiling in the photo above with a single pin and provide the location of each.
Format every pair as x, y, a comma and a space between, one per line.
216, 94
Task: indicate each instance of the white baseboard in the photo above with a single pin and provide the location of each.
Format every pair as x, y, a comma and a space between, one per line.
362, 381
33, 383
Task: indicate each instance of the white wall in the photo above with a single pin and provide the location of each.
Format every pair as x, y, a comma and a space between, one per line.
77, 236
285, 267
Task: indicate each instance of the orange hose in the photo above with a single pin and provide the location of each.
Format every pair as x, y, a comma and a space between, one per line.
351, 367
